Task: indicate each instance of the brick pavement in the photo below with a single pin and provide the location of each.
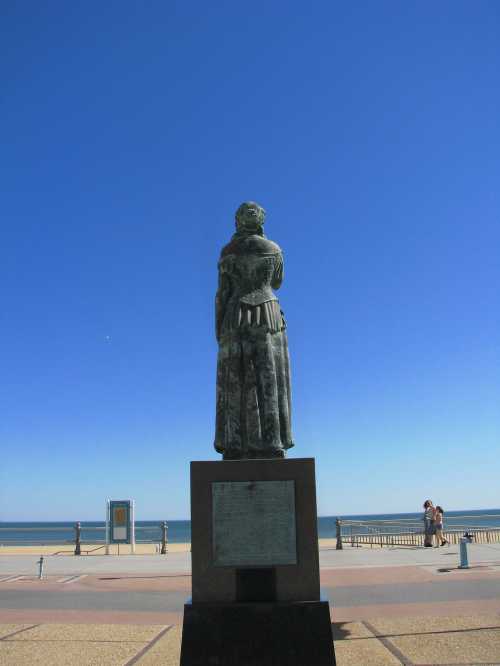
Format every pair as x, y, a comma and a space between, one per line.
410, 619
417, 641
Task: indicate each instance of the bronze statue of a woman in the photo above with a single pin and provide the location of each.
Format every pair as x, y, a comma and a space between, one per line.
253, 369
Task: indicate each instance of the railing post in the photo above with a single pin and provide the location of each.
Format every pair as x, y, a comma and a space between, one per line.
338, 528
78, 531
164, 529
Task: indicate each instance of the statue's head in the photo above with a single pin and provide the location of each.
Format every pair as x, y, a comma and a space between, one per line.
250, 218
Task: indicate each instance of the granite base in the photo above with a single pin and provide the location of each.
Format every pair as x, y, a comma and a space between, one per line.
257, 634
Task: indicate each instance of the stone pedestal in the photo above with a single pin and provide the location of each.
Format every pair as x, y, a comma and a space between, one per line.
257, 634
255, 567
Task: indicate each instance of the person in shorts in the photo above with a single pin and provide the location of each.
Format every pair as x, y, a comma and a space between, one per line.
428, 518
438, 526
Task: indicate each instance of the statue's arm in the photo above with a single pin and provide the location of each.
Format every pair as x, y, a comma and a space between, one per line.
277, 278
221, 299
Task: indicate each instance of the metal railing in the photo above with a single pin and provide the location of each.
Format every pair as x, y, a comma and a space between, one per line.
410, 532
79, 534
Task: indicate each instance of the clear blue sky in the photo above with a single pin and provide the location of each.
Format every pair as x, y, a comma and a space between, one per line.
130, 133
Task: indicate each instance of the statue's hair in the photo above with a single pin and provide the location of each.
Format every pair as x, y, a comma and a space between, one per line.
247, 204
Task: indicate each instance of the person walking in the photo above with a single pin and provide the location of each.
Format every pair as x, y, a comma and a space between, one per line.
428, 518
438, 526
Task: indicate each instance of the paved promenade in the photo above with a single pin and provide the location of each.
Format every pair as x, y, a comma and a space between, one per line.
176, 562
388, 606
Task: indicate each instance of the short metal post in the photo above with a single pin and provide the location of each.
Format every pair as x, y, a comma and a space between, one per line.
164, 529
40, 567
338, 528
78, 531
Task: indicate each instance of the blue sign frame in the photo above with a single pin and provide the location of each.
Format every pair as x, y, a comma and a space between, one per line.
120, 521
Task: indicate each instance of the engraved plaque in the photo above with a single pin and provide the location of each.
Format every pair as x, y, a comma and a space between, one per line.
253, 523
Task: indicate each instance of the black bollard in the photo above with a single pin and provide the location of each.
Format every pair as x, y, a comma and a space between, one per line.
78, 530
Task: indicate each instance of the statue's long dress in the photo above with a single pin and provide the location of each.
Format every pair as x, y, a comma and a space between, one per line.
253, 370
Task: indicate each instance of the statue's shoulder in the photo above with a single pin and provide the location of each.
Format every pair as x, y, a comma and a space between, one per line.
250, 245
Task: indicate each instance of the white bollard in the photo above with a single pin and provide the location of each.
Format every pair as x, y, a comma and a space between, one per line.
40, 567
464, 555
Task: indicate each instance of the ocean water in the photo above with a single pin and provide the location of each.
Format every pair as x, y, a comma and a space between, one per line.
179, 531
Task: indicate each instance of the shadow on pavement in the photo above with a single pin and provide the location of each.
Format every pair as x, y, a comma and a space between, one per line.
339, 633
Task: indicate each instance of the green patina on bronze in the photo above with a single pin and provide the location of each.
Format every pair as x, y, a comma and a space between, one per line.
253, 417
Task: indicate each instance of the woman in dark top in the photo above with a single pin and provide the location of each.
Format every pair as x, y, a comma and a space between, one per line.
438, 526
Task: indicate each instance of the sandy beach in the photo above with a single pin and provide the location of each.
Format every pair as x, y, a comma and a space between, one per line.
99, 549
